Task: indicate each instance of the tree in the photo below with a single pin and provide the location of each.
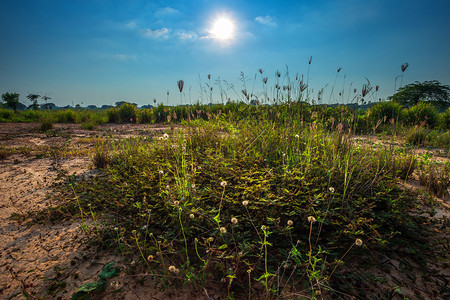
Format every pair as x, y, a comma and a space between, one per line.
11, 99
33, 98
428, 91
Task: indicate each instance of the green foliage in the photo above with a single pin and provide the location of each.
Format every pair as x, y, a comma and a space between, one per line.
428, 91
445, 120
422, 114
417, 135
86, 290
33, 99
46, 125
385, 112
11, 99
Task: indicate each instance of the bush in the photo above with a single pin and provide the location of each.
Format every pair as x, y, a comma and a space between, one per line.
6, 114
417, 135
384, 112
127, 113
445, 120
423, 114
46, 125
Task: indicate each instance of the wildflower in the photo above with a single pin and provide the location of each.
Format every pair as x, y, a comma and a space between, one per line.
297, 136
167, 187
176, 202
234, 221
245, 202
331, 189
116, 229
223, 183
144, 227
223, 230
172, 269
210, 239
290, 223
191, 216
193, 185
311, 219
133, 263
176, 271
263, 227
161, 172
358, 242
150, 258
166, 136
284, 154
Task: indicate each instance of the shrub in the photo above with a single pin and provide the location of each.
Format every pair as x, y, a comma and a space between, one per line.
127, 113
417, 135
445, 120
88, 126
46, 125
423, 114
113, 115
385, 112
6, 114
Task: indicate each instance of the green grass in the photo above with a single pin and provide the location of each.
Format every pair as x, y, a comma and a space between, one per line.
231, 202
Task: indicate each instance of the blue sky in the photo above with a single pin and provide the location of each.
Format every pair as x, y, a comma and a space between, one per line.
99, 51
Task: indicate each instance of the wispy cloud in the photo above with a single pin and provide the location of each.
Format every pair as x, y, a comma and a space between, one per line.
166, 11
124, 57
162, 33
131, 25
267, 20
187, 35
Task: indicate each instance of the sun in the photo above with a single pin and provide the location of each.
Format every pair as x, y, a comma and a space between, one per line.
222, 29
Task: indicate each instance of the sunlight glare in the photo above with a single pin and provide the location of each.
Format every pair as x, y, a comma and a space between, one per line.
223, 29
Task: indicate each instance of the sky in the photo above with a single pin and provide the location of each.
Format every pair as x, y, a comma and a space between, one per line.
95, 52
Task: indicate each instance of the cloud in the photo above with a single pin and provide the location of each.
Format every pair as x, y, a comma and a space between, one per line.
132, 25
162, 33
187, 35
166, 11
267, 20
124, 57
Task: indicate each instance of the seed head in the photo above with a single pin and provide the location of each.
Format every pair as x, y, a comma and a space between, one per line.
223, 183
404, 66
180, 85
358, 242
311, 219
245, 202
290, 222
223, 230
234, 221
172, 269
192, 216
176, 271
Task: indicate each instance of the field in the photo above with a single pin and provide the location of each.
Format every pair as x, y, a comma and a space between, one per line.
226, 201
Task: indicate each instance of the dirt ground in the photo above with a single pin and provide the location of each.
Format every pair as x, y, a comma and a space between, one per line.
52, 260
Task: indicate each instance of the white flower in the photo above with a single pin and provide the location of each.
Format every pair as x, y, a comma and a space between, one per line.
176, 202
161, 172
290, 223
331, 189
193, 185
223, 183
297, 136
176, 271
223, 230
245, 202
311, 219
234, 221
166, 136
191, 216
358, 242
172, 269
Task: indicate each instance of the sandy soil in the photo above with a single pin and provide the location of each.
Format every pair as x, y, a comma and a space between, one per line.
52, 260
